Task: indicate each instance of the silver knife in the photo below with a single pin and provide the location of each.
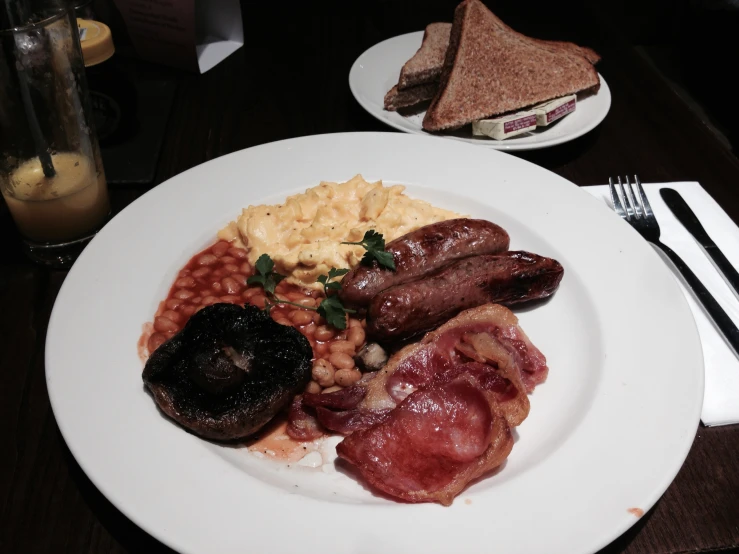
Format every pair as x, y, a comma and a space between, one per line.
689, 220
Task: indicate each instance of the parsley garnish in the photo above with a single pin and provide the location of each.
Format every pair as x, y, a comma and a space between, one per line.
267, 278
374, 243
330, 308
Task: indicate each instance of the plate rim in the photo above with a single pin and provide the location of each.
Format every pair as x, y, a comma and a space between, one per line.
505, 146
658, 489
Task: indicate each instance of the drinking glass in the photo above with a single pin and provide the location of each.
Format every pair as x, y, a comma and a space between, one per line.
51, 173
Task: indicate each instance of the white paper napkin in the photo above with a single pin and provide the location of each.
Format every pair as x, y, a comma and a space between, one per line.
721, 396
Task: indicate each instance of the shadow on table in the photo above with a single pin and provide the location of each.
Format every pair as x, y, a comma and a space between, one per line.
131, 537
561, 155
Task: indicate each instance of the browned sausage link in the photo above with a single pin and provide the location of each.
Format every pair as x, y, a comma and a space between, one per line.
421, 252
406, 310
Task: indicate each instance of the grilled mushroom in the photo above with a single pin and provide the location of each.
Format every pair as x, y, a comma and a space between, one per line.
229, 371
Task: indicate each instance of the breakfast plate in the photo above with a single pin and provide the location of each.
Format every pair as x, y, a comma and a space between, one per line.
377, 69
607, 432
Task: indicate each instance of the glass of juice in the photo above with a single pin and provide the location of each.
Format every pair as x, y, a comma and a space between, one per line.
51, 173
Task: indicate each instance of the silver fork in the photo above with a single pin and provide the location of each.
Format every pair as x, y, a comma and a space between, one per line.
631, 203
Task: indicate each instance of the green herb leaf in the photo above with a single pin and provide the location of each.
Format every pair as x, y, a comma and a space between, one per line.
333, 273
374, 243
333, 310
267, 278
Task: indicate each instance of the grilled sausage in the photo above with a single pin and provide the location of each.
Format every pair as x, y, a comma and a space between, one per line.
422, 252
409, 309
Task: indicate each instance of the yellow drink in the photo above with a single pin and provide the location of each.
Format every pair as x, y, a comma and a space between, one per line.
64, 207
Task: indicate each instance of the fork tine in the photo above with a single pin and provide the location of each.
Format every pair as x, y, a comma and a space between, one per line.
627, 205
615, 199
646, 208
633, 200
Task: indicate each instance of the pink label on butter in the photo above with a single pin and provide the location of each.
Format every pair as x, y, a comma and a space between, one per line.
518, 124
561, 111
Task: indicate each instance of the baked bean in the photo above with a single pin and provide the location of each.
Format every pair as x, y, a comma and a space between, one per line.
354, 323
331, 389
220, 248
248, 293
187, 311
155, 341
295, 296
240, 279
228, 260
309, 330
231, 285
231, 299
201, 272
245, 268
282, 321
321, 349
356, 335
307, 302
183, 294
207, 259
185, 282
300, 317
258, 300
220, 272
323, 372
169, 334
347, 377
313, 388
174, 316
173, 303
324, 333
318, 319
230, 268
162, 324
341, 360
209, 301
342, 346
216, 287
238, 253
342, 335
184, 273
196, 300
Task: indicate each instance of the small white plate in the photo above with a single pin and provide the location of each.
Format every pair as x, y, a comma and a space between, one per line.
607, 431
376, 71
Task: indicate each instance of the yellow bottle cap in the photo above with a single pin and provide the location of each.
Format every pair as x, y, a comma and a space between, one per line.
96, 40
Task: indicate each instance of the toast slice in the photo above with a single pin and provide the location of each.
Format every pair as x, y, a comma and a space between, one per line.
396, 99
491, 69
426, 64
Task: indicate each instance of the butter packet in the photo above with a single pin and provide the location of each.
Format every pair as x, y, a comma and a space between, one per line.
501, 128
551, 111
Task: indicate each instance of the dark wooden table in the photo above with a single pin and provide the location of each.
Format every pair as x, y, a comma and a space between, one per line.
289, 80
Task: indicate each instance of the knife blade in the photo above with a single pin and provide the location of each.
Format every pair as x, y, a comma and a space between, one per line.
690, 221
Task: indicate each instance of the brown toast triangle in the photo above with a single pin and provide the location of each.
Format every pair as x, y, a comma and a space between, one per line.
426, 64
490, 69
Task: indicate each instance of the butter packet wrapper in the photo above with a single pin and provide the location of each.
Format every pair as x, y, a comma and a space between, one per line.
507, 126
551, 111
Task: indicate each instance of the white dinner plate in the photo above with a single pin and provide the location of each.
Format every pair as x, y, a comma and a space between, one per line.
607, 432
376, 71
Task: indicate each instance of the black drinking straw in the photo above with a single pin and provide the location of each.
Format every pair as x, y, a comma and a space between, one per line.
17, 19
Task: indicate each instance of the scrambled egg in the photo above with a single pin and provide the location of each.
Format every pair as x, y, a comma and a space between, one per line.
303, 236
